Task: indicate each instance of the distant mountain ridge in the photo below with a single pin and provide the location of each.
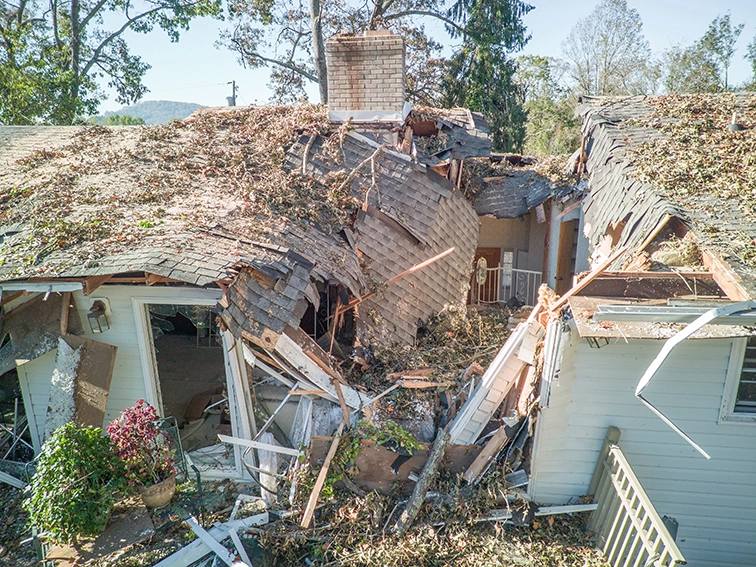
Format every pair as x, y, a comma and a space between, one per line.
154, 111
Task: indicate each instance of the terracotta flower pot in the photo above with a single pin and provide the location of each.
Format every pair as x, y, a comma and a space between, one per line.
160, 494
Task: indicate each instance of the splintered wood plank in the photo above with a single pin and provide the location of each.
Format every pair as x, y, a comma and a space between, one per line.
315, 494
93, 282
484, 458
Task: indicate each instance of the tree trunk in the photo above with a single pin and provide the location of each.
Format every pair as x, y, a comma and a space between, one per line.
423, 483
75, 57
318, 49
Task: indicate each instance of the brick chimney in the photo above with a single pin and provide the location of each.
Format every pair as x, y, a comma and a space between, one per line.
366, 77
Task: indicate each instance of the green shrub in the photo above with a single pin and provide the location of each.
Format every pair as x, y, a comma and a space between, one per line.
73, 489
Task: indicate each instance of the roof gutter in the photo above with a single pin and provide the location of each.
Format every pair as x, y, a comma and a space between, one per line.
705, 319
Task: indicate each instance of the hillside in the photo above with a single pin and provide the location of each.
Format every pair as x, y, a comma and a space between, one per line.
154, 111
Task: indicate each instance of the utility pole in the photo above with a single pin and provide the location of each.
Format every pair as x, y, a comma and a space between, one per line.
232, 99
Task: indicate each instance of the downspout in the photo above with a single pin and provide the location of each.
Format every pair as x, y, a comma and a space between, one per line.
671, 343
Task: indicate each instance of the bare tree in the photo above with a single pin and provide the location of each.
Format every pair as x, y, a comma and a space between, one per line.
608, 53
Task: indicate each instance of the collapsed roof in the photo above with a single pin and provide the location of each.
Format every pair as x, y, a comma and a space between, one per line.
272, 201
675, 156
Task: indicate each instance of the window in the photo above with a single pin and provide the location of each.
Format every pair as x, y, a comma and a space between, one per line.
739, 399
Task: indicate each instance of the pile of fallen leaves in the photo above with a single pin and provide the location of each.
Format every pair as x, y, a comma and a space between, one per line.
116, 186
451, 341
357, 532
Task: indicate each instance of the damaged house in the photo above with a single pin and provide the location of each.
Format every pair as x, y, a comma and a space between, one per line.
639, 380
293, 229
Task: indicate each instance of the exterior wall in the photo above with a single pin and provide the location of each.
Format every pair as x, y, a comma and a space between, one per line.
714, 500
128, 382
366, 73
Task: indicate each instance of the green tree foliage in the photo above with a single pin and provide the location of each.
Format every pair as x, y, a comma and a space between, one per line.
73, 488
689, 70
481, 74
719, 42
608, 53
703, 66
52, 54
750, 56
117, 120
551, 126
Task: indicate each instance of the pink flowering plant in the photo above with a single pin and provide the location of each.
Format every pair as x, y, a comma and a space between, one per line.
142, 445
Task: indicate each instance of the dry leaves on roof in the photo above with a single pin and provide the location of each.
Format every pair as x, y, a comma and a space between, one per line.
698, 157
115, 186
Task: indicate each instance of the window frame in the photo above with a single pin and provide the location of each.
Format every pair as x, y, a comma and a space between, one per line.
727, 413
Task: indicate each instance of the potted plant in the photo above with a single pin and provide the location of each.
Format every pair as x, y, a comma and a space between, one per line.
73, 490
147, 453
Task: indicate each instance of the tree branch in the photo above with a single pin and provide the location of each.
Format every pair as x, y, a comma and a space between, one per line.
285, 64
430, 14
96, 53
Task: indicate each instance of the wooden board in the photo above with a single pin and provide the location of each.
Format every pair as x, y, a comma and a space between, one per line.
374, 463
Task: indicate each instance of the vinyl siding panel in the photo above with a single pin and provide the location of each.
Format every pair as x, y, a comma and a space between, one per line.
714, 500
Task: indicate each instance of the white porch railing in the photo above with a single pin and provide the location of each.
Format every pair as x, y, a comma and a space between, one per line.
628, 529
502, 284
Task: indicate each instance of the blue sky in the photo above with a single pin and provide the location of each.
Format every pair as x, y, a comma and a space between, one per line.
194, 70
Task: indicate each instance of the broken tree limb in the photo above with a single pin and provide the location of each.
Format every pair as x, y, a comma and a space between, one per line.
423, 483
315, 494
582, 284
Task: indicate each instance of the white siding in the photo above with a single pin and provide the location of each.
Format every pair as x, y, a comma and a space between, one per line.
128, 383
714, 501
